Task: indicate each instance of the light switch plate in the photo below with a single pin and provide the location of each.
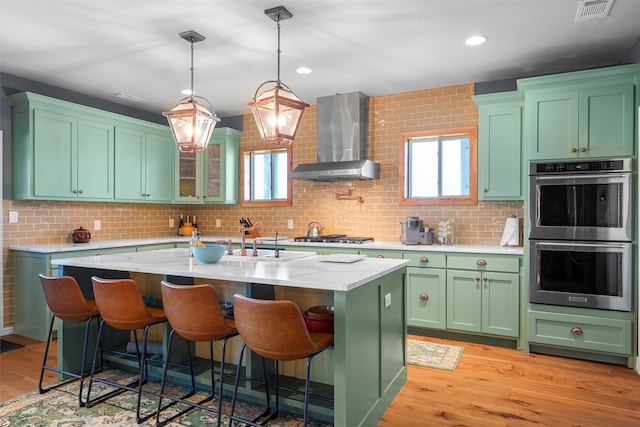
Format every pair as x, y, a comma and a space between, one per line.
96, 225
387, 300
290, 224
218, 223
13, 217
171, 223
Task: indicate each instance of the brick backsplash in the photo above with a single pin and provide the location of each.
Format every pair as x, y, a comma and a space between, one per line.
43, 222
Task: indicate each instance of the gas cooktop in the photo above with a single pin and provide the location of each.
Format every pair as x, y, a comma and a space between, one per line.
333, 238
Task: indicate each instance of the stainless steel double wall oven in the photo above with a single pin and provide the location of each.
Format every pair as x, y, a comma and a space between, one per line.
580, 234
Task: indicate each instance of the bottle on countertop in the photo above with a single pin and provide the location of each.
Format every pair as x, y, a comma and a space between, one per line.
180, 224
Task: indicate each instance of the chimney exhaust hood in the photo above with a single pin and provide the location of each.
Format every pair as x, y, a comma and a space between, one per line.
343, 138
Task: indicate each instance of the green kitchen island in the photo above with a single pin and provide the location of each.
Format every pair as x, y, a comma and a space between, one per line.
369, 354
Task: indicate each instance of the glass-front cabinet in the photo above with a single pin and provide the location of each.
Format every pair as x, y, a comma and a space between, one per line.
210, 176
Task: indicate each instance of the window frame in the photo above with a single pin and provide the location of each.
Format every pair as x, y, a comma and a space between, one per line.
271, 202
468, 131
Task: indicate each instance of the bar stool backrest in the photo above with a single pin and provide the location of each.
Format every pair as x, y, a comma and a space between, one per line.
194, 312
120, 303
273, 329
65, 299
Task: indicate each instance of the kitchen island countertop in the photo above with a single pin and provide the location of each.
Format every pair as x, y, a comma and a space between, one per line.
310, 271
376, 245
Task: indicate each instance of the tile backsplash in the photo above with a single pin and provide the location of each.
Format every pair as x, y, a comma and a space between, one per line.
44, 222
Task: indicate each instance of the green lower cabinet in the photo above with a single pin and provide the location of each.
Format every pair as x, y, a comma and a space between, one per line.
322, 250
483, 302
582, 329
426, 297
381, 253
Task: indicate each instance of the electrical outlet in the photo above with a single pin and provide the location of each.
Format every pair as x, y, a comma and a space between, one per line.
387, 300
218, 223
96, 225
290, 224
13, 217
171, 223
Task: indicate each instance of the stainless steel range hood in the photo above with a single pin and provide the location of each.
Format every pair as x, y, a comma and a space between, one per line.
343, 138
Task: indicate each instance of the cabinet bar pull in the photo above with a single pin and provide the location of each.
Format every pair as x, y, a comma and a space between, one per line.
424, 297
576, 330
424, 259
482, 262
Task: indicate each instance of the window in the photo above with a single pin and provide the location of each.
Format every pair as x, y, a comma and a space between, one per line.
438, 166
265, 173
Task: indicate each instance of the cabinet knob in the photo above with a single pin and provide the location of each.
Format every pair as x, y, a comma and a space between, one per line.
80, 191
424, 297
484, 279
583, 150
576, 330
380, 256
485, 190
424, 259
482, 262
477, 279
574, 150
74, 191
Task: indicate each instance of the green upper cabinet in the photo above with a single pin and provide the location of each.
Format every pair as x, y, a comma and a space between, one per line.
144, 164
500, 146
58, 153
588, 114
210, 176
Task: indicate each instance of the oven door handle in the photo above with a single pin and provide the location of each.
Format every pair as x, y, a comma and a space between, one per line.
589, 176
612, 245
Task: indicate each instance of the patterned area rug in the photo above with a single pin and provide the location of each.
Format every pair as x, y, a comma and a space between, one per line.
59, 408
433, 355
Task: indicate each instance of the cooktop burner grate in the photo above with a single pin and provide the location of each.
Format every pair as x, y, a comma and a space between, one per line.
333, 238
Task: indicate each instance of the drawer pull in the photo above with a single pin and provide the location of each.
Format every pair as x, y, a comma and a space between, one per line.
380, 256
424, 297
482, 262
576, 330
424, 259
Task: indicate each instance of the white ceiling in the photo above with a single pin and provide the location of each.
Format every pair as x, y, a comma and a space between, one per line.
378, 47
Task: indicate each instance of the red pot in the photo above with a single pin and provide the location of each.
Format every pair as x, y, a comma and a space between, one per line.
318, 324
80, 235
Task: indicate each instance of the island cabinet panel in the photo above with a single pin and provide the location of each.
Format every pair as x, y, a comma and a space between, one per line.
369, 350
381, 253
500, 146
213, 175
60, 152
144, 165
586, 114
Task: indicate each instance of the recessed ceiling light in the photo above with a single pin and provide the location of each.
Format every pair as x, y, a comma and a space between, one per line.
475, 40
303, 70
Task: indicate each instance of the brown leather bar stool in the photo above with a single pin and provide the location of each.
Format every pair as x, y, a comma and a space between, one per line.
276, 330
121, 306
194, 313
67, 303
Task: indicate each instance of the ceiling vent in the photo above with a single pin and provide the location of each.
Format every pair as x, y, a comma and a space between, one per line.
589, 10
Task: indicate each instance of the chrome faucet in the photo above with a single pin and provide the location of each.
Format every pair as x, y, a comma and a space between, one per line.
276, 252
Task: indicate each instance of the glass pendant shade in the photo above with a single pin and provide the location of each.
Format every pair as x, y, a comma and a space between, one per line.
191, 125
277, 113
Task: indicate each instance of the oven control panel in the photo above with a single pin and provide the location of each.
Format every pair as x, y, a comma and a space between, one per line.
621, 165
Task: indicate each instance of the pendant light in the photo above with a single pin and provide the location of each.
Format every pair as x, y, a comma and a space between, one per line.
191, 122
277, 110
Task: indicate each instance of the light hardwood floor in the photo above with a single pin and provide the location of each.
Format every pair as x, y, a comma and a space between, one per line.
492, 386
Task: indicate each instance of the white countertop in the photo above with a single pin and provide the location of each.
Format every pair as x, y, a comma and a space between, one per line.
105, 244
307, 272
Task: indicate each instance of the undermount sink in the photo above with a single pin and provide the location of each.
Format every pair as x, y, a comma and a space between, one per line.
267, 255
